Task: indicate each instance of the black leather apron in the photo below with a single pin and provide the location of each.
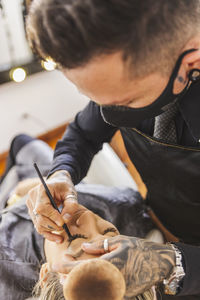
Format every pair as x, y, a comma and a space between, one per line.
172, 176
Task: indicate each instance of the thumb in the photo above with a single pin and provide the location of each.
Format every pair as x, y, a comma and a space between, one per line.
98, 247
69, 209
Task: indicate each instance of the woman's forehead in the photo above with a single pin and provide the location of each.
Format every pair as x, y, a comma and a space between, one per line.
81, 210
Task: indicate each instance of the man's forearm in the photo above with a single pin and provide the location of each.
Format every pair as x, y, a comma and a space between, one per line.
82, 140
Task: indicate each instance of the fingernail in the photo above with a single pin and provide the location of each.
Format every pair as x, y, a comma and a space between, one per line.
66, 217
86, 245
58, 241
59, 224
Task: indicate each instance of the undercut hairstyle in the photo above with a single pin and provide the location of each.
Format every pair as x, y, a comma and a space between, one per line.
52, 289
149, 33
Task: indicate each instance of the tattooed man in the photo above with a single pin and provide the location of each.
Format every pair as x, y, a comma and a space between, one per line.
139, 62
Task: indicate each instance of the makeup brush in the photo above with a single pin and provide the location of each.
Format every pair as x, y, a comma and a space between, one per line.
50, 196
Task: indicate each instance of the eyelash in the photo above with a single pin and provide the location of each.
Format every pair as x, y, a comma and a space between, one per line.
110, 230
80, 236
76, 236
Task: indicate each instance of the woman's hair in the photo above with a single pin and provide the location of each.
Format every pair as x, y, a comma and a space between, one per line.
52, 289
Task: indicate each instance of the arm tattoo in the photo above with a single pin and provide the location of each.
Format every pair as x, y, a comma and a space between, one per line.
143, 263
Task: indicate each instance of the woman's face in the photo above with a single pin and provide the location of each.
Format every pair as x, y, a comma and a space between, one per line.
84, 226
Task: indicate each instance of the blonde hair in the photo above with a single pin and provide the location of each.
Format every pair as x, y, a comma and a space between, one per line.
52, 289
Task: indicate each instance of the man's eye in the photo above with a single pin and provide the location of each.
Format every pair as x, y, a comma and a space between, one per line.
111, 229
76, 236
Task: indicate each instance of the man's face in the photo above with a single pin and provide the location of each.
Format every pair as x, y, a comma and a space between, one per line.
107, 81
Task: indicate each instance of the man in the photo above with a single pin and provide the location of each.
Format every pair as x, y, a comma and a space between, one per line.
139, 62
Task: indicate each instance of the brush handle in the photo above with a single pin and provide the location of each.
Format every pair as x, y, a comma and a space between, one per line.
50, 196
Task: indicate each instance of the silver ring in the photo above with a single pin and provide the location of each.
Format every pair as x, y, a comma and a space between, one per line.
35, 213
105, 245
71, 196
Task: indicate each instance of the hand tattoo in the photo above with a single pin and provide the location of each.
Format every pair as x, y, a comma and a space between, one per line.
142, 263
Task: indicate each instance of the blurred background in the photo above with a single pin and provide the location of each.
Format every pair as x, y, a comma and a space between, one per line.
34, 98
37, 100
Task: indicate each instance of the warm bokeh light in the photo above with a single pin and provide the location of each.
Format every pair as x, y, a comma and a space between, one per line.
48, 65
18, 74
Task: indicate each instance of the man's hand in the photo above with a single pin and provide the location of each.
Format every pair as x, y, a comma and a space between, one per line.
142, 263
47, 220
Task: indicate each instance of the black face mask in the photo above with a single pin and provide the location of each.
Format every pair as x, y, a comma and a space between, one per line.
123, 116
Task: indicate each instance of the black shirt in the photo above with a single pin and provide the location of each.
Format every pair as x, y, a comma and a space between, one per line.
84, 138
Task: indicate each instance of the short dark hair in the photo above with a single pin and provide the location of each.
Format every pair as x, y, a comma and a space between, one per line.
149, 33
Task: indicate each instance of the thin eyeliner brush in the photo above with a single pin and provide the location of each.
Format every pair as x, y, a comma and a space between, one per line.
50, 196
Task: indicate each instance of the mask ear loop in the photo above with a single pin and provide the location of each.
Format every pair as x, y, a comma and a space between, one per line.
194, 75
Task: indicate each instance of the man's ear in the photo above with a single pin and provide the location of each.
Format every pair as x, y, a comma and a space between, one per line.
192, 60
44, 274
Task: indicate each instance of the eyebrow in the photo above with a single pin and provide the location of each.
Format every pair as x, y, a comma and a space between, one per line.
110, 229
80, 252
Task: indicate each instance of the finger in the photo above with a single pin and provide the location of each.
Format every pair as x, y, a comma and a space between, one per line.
39, 201
71, 195
30, 211
65, 267
112, 256
47, 210
70, 209
48, 231
47, 224
53, 237
29, 202
98, 247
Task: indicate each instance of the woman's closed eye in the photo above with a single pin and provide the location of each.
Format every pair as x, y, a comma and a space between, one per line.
81, 236
76, 236
110, 229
